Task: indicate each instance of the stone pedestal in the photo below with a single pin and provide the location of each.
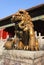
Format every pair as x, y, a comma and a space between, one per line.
21, 57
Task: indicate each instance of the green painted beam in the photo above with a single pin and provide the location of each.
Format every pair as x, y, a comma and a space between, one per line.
38, 18
6, 26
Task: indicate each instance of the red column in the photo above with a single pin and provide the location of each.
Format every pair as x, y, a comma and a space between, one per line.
3, 34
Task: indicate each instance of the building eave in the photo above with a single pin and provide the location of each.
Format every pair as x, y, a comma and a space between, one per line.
28, 10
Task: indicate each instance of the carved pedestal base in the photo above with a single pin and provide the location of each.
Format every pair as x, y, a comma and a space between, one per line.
21, 57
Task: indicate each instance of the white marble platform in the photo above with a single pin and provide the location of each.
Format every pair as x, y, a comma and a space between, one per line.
21, 57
